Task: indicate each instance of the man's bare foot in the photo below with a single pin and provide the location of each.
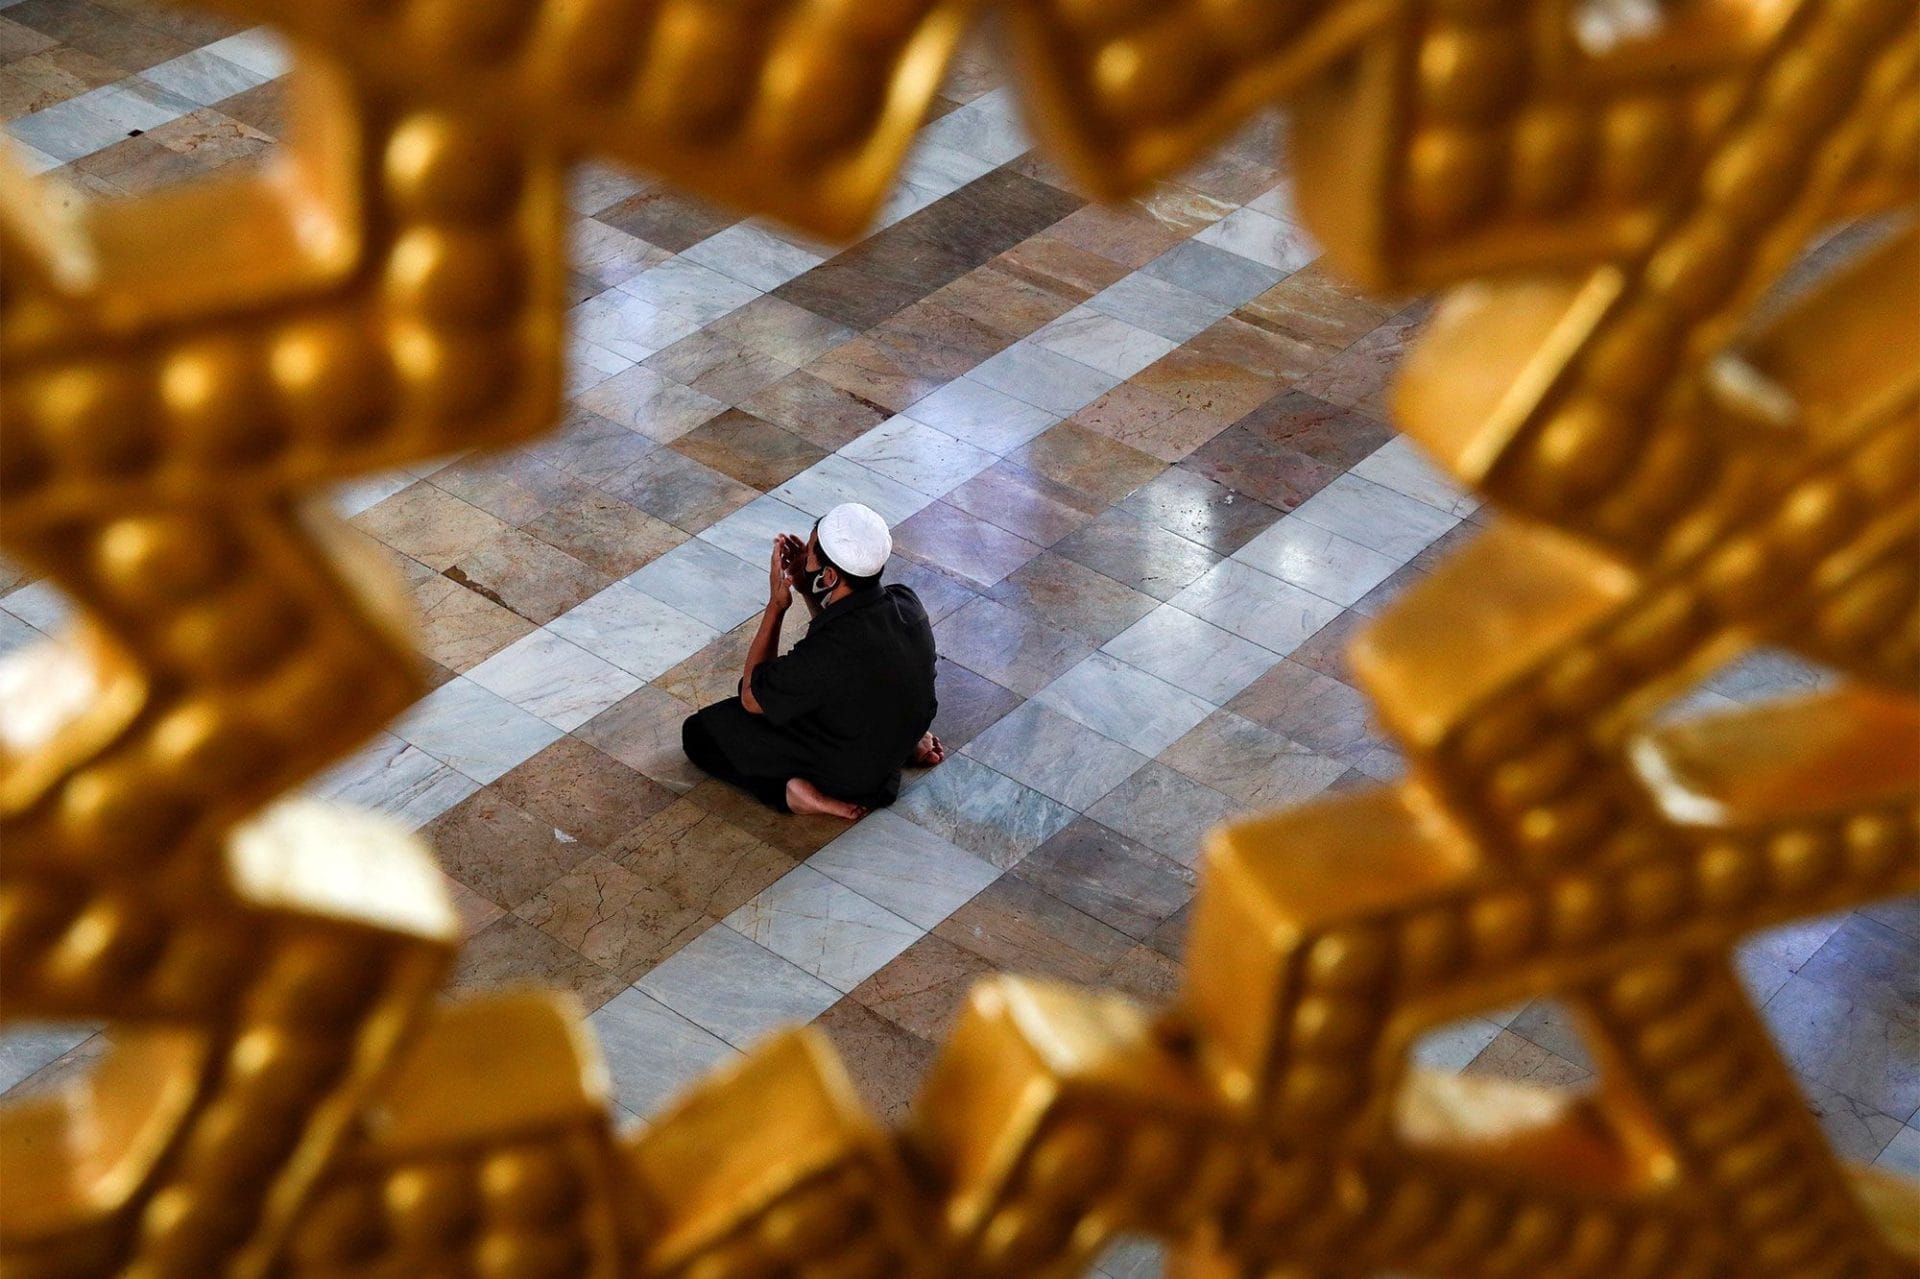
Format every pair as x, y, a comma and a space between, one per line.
806, 798
928, 751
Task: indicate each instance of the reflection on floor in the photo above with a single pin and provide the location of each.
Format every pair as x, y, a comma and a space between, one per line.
1138, 469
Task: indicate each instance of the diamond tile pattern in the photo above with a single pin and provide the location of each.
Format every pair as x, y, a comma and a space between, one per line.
1139, 470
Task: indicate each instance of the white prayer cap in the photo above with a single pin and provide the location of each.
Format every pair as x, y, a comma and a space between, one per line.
856, 538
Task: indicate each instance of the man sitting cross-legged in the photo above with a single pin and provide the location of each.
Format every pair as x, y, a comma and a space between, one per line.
827, 728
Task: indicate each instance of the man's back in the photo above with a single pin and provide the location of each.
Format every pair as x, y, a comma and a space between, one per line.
857, 691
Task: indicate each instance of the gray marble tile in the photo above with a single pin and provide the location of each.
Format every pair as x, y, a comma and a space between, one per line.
202, 77
394, 777
918, 456
704, 582
588, 364
835, 479
26, 1048
1315, 559
593, 187
1125, 703
628, 327
1211, 272
355, 496
607, 255
634, 631
557, 680
1847, 1047
1101, 341
754, 257
984, 812
693, 292
480, 733
261, 50
1167, 811
981, 416
904, 867
1061, 758
1189, 653
1159, 306
1401, 466
1376, 517
652, 1053
988, 128
736, 989
1262, 238
1450, 1047
1043, 378
1768, 674
747, 534
824, 927
1274, 614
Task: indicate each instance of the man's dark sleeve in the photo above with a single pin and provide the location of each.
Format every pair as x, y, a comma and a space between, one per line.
789, 687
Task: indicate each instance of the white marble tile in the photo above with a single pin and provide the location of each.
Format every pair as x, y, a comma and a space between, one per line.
41, 605
904, 867
1132, 1258
983, 811
261, 50
1125, 703
592, 187
1102, 342
988, 128
202, 77
705, 582
903, 201
835, 479
1320, 561
1043, 378
824, 927
29, 160
98, 118
693, 292
607, 255
1902, 1154
25, 1048
657, 407
1060, 757
16, 634
1847, 1046
1190, 653
1263, 238
1401, 466
588, 364
653, 1053
735, 988
1449, 1048
915, 454
753, 256
976, 414
628, 327
1159, 306
1376, 517
394, 777
1213, 272
560, 682
1274, 614
941, 170
355, 496
634, 631
480, 733
748, 533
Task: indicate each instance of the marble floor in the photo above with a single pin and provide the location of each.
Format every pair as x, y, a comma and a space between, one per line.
1139, 467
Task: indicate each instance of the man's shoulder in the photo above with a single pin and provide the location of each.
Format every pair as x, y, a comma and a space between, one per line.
903, 598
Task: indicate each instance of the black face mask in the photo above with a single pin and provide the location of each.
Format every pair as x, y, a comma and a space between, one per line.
816, 587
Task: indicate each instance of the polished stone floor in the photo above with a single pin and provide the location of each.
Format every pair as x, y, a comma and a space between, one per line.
1140, 474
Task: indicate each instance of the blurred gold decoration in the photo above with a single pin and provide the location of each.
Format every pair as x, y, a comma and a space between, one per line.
1704, 455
